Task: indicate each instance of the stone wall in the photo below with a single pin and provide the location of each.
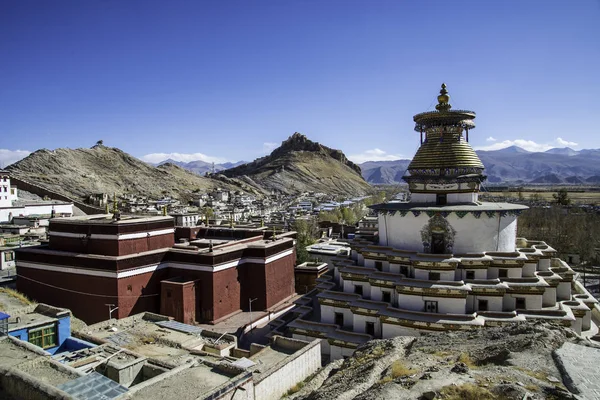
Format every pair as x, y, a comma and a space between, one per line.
274, 383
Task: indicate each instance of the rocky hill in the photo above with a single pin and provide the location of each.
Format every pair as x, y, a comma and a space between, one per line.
77, 173
301, 165
512, 362
510, 165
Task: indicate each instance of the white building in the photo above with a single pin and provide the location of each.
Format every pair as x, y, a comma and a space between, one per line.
7, 194
9, 210
445, 260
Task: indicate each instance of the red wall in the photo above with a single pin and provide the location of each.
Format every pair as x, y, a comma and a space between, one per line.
112, 247
280, 279
90, 309
178, 300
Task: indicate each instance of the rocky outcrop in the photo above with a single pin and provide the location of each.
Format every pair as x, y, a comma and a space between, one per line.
301, 165
512, 362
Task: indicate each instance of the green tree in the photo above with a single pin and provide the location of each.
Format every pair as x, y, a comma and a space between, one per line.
307, 232
562, 197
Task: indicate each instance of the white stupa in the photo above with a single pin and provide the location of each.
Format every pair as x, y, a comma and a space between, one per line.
445, 260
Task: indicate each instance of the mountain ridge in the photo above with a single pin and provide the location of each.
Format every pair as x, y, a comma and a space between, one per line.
78, 173
510, 165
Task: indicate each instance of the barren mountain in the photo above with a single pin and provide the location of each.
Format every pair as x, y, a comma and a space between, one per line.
300, 165
78, 173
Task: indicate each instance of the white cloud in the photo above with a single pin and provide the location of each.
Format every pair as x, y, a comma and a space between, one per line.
8, 157
565, 143
269, 147
374, 155
491, 139
155, 158
528, 145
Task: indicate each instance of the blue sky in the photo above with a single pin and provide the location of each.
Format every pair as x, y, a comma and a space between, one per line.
229, 80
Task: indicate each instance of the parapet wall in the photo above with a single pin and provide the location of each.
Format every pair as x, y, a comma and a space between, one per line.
41, 191
279, 378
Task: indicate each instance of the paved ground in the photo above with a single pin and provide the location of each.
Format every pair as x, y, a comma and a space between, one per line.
579, 366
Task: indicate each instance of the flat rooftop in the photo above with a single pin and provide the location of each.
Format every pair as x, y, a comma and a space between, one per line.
102, 219
147, 338
188, 384
11, 302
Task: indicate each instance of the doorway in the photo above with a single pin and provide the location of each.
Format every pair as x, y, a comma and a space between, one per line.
438, 243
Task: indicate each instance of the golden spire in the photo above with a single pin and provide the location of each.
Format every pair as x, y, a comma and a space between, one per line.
443, 100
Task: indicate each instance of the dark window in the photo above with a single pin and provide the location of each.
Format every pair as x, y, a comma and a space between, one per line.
358, 289
441, 199
168, 293
129, 288
378, 265
483, 305
387, 297
438, 244
502, 273
370, 328
520, 303
404, 270
434, 276
470, 274
339, 319
431, 306
44, 337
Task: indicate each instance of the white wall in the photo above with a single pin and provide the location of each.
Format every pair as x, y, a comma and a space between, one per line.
549, 297
328, 315
461, 274
452, 198
510, 272
340, 352
390, 331
35, 210
563, 291
472, 234
349, 287
532, 301
7, 264
445, 305
360, 324
424, 274
529, 269
282, 379
494, 303
544, 264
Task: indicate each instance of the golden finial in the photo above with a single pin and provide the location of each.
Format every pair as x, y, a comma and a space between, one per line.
231, 220
106, 207
164, 211
443, 100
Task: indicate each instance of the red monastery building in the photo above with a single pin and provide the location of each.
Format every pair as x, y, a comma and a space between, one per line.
133, 263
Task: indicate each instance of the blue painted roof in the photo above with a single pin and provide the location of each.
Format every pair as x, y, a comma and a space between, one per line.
4, 316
